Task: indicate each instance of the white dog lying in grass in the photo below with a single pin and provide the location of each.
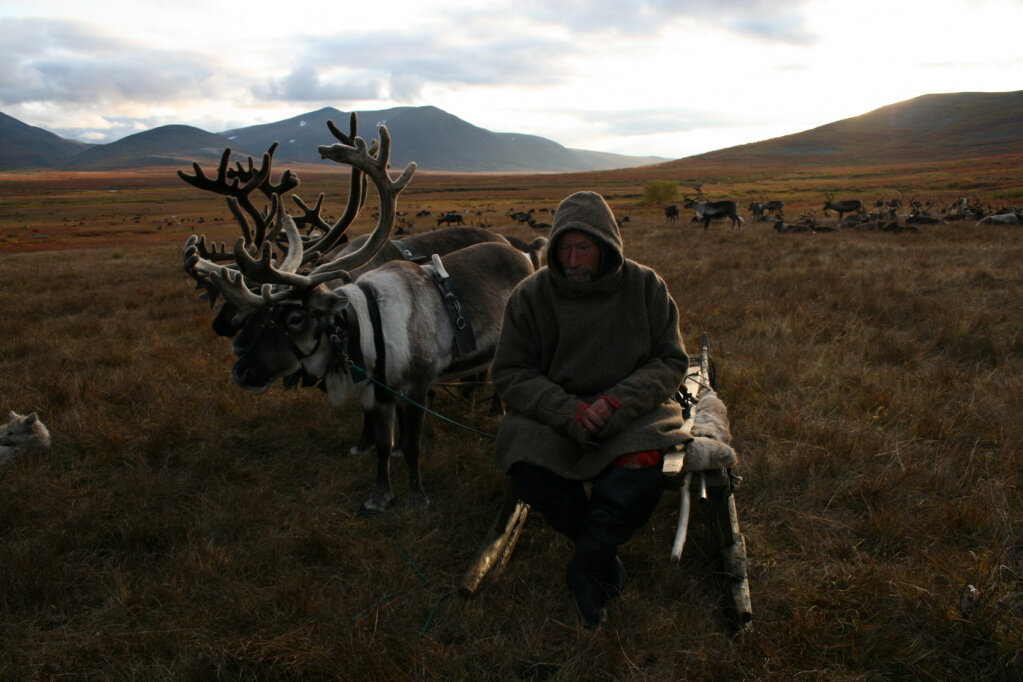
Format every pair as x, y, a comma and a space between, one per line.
22, 434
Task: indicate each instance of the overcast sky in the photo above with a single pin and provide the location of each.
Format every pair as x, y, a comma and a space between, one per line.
668, 78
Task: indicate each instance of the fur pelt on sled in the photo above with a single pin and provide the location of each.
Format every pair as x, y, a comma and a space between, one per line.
710, 447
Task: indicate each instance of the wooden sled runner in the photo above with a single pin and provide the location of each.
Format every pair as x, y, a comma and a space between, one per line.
691, 471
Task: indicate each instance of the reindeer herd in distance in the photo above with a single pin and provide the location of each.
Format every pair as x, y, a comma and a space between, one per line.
406, 225
885, 215
893, 215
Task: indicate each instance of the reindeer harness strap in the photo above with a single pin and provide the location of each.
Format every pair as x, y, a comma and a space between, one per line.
407, 252
380, 366
465, 340
348, 344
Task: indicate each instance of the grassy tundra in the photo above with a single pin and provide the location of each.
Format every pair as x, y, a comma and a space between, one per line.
181, 528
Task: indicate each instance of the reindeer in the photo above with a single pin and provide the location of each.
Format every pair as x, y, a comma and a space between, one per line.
782, 227
331, 240
394, 325
520, 216
709, 210
843, 207
671, 213
450, 219
1008, 218
774, 207
924, 219
764, 211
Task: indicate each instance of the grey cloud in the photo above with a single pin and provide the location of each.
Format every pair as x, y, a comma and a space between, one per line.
20, 37
781, 28
399, 66
118, 127
772, 20
63, 61
305, 84
406, 88
477, 55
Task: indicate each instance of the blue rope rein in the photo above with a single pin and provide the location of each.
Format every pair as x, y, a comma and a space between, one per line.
424, 579
424, 408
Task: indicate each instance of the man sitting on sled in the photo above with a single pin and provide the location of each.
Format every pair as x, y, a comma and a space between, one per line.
588, 362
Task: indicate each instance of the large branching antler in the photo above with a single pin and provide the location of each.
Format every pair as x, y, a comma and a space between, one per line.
261, 269
375, 167
267, 225
288, 181
218, 279
283, 281
332, 235
197, 246
238, 184
231, 282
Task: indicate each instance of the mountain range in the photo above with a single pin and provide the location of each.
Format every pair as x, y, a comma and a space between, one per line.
434, 139
929, 127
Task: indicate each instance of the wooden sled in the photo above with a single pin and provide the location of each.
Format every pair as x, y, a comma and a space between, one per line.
712, 487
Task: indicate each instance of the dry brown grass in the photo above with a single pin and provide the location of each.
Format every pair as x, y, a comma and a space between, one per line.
183, 529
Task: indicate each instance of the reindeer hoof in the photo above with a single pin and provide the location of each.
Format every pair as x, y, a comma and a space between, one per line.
417, 502
376, 504
397, 453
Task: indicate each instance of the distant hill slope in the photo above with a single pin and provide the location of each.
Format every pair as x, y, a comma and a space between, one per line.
175, 145
930, 127
434, 139
25, 146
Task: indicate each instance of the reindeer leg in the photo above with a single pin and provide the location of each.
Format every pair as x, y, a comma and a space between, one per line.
411, 424
383, 428
366, 441
399, 451
496, 406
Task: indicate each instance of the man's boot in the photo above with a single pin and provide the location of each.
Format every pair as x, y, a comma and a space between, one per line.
621, 501
613, 579
585, 579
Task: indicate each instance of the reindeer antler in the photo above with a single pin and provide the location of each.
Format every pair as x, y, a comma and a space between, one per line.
229, 182
262, 270
288, 182
196, 246
358, 156
357, 186
285, 277
217, 279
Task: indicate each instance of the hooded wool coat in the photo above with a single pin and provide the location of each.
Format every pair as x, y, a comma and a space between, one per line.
566, 343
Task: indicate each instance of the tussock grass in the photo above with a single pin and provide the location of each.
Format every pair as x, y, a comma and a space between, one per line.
180, 528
